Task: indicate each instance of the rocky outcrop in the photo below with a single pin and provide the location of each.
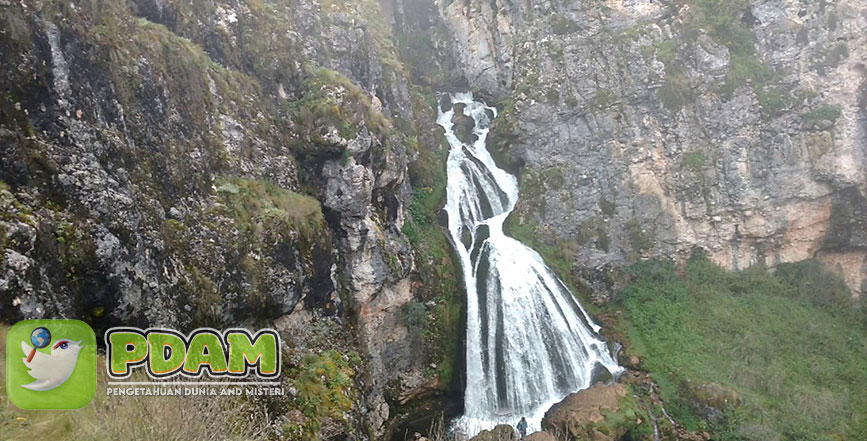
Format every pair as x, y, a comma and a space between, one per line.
646, 129
575, 415
710, 400
503, 432
540, 436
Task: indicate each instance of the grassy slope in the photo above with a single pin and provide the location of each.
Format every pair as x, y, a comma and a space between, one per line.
791, 344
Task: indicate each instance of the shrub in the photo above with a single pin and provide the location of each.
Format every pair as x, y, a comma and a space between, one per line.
415, 317
437, 271
774, 100
638, 238
553, 95
561, 25
608, 208
326, 389
605, 98
829, 59
824, 113
675, 91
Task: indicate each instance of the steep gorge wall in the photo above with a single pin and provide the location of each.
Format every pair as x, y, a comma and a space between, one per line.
648, 128
206, 163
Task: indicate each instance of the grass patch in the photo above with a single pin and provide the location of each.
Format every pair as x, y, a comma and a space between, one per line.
535, 185
675, 91
774, 101
695, 161
640, 239
791, 344
824, 113
258, 205
830, 59
723, 21
332, 99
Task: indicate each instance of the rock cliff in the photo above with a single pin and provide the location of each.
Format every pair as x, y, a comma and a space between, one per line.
646, 128
220, 163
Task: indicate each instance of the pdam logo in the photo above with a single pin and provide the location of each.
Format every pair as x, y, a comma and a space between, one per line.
51, 364
165, 353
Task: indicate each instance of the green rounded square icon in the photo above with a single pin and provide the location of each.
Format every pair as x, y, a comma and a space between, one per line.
50, 364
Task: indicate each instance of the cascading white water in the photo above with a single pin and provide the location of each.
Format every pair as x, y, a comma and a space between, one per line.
529, 341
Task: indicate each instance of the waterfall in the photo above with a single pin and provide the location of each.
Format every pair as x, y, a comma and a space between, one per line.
529, 342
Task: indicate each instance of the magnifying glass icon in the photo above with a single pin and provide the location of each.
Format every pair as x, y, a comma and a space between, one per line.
40, 338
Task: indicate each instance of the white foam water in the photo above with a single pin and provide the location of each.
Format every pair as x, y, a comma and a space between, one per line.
529, 342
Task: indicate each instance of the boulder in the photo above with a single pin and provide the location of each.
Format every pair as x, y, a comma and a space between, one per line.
709, 400
503, 432
463, 126
540, 436
600, 374
572, 415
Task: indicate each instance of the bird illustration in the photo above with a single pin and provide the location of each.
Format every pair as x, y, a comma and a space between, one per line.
51, 370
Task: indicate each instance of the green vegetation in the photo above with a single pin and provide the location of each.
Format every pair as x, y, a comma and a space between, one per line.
326, 391
828, 59
604, 98
695, 160
774, 101
824, 113
439, 326
629, 421
261, 206
561, 25
555, 51
553, 95
722, 21
250, 222
332, 99
640, 239
675, 91
504, 132
415, 317
791, 345
608, 208
379, 30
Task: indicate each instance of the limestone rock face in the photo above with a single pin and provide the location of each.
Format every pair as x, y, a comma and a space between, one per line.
643, 133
